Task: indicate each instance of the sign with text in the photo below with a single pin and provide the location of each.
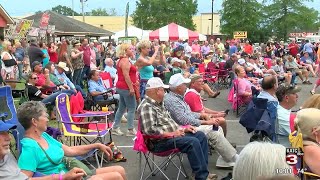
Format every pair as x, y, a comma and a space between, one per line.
240, 34
44, 22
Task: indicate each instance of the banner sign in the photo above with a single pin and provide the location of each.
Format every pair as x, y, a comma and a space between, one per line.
44, 22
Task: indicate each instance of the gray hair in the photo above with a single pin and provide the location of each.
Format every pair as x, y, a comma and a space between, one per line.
29, 110
260, 159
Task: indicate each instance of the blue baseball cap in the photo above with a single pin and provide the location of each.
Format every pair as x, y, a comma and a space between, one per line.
6, 126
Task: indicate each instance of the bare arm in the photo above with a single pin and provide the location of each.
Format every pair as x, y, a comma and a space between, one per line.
68, 60
76, 55
144, 62
312, 158
78, 150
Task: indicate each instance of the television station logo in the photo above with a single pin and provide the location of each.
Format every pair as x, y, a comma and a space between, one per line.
293, 155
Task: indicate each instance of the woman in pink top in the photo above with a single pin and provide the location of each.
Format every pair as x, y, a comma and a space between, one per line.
125, 88
244, 86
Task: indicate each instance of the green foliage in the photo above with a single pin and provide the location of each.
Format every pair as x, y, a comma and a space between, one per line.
64, 10
243, 15
99, 12
267, 18
287, 16
153, 14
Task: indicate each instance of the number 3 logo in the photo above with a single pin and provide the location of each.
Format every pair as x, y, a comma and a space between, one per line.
291, 159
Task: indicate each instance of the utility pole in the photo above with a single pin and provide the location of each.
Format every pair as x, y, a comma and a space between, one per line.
72, 9
211, 17
82, 7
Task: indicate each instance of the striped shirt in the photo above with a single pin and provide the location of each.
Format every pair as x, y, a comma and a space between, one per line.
180, 110
155, 119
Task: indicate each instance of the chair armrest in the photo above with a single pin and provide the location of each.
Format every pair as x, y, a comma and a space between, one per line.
80, 123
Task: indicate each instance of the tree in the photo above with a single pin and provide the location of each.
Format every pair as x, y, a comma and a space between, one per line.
153, 14
99, 12
64, 10
243, 15
290, 15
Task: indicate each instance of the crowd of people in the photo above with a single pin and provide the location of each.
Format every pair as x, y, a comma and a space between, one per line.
139, 72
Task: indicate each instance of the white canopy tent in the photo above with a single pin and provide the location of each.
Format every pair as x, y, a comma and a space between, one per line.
132, 31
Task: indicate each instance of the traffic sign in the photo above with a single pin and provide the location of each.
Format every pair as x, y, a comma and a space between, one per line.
239, 34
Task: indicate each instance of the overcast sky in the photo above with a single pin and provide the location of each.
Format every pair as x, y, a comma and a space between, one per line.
27, 7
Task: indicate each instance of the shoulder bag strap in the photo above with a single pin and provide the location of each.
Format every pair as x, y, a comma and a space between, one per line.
48, 156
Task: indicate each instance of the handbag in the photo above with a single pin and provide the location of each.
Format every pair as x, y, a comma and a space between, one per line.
9, 62
70, 163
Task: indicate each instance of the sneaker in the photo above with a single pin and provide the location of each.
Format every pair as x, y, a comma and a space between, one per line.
223, 164
124, 119
117, 132
212, 176
131, 132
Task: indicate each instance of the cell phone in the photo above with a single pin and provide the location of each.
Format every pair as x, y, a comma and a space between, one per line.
215, 128
227, 111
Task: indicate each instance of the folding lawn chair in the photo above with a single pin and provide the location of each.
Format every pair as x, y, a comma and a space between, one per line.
81, 131
140, 146
223, 78
238, 104
8, 113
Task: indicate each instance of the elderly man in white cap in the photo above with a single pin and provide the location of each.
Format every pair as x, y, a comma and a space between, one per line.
156, 120
60, 73
182, 114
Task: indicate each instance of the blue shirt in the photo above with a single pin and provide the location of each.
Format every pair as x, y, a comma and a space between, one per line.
306, 60
111, 70
308, 48
146, 72
180, 110
19, 54
283, 121
45, 60
96, 86
66, 80
233, 49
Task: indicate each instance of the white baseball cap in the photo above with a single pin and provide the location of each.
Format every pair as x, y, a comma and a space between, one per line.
177, 80
173, 60
155, 82
241, 61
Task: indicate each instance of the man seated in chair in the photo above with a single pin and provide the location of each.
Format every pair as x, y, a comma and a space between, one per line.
193, 98
61, 75
182, 114
43, 81
98, 91
156, 120
8, 165
35, 94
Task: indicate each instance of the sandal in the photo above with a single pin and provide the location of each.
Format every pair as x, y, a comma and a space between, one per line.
312, 92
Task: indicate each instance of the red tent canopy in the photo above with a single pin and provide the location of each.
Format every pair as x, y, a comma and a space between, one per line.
174, 32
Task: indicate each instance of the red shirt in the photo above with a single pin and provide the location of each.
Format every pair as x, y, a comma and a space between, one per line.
248, 49
193, 99
42, 81
121, 83
86, 54
294, 50
53, 56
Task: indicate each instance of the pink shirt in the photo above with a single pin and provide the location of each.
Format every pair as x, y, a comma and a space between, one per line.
193, 99
196, 48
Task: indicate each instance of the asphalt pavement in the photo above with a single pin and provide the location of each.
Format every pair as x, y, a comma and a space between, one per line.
236, 133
